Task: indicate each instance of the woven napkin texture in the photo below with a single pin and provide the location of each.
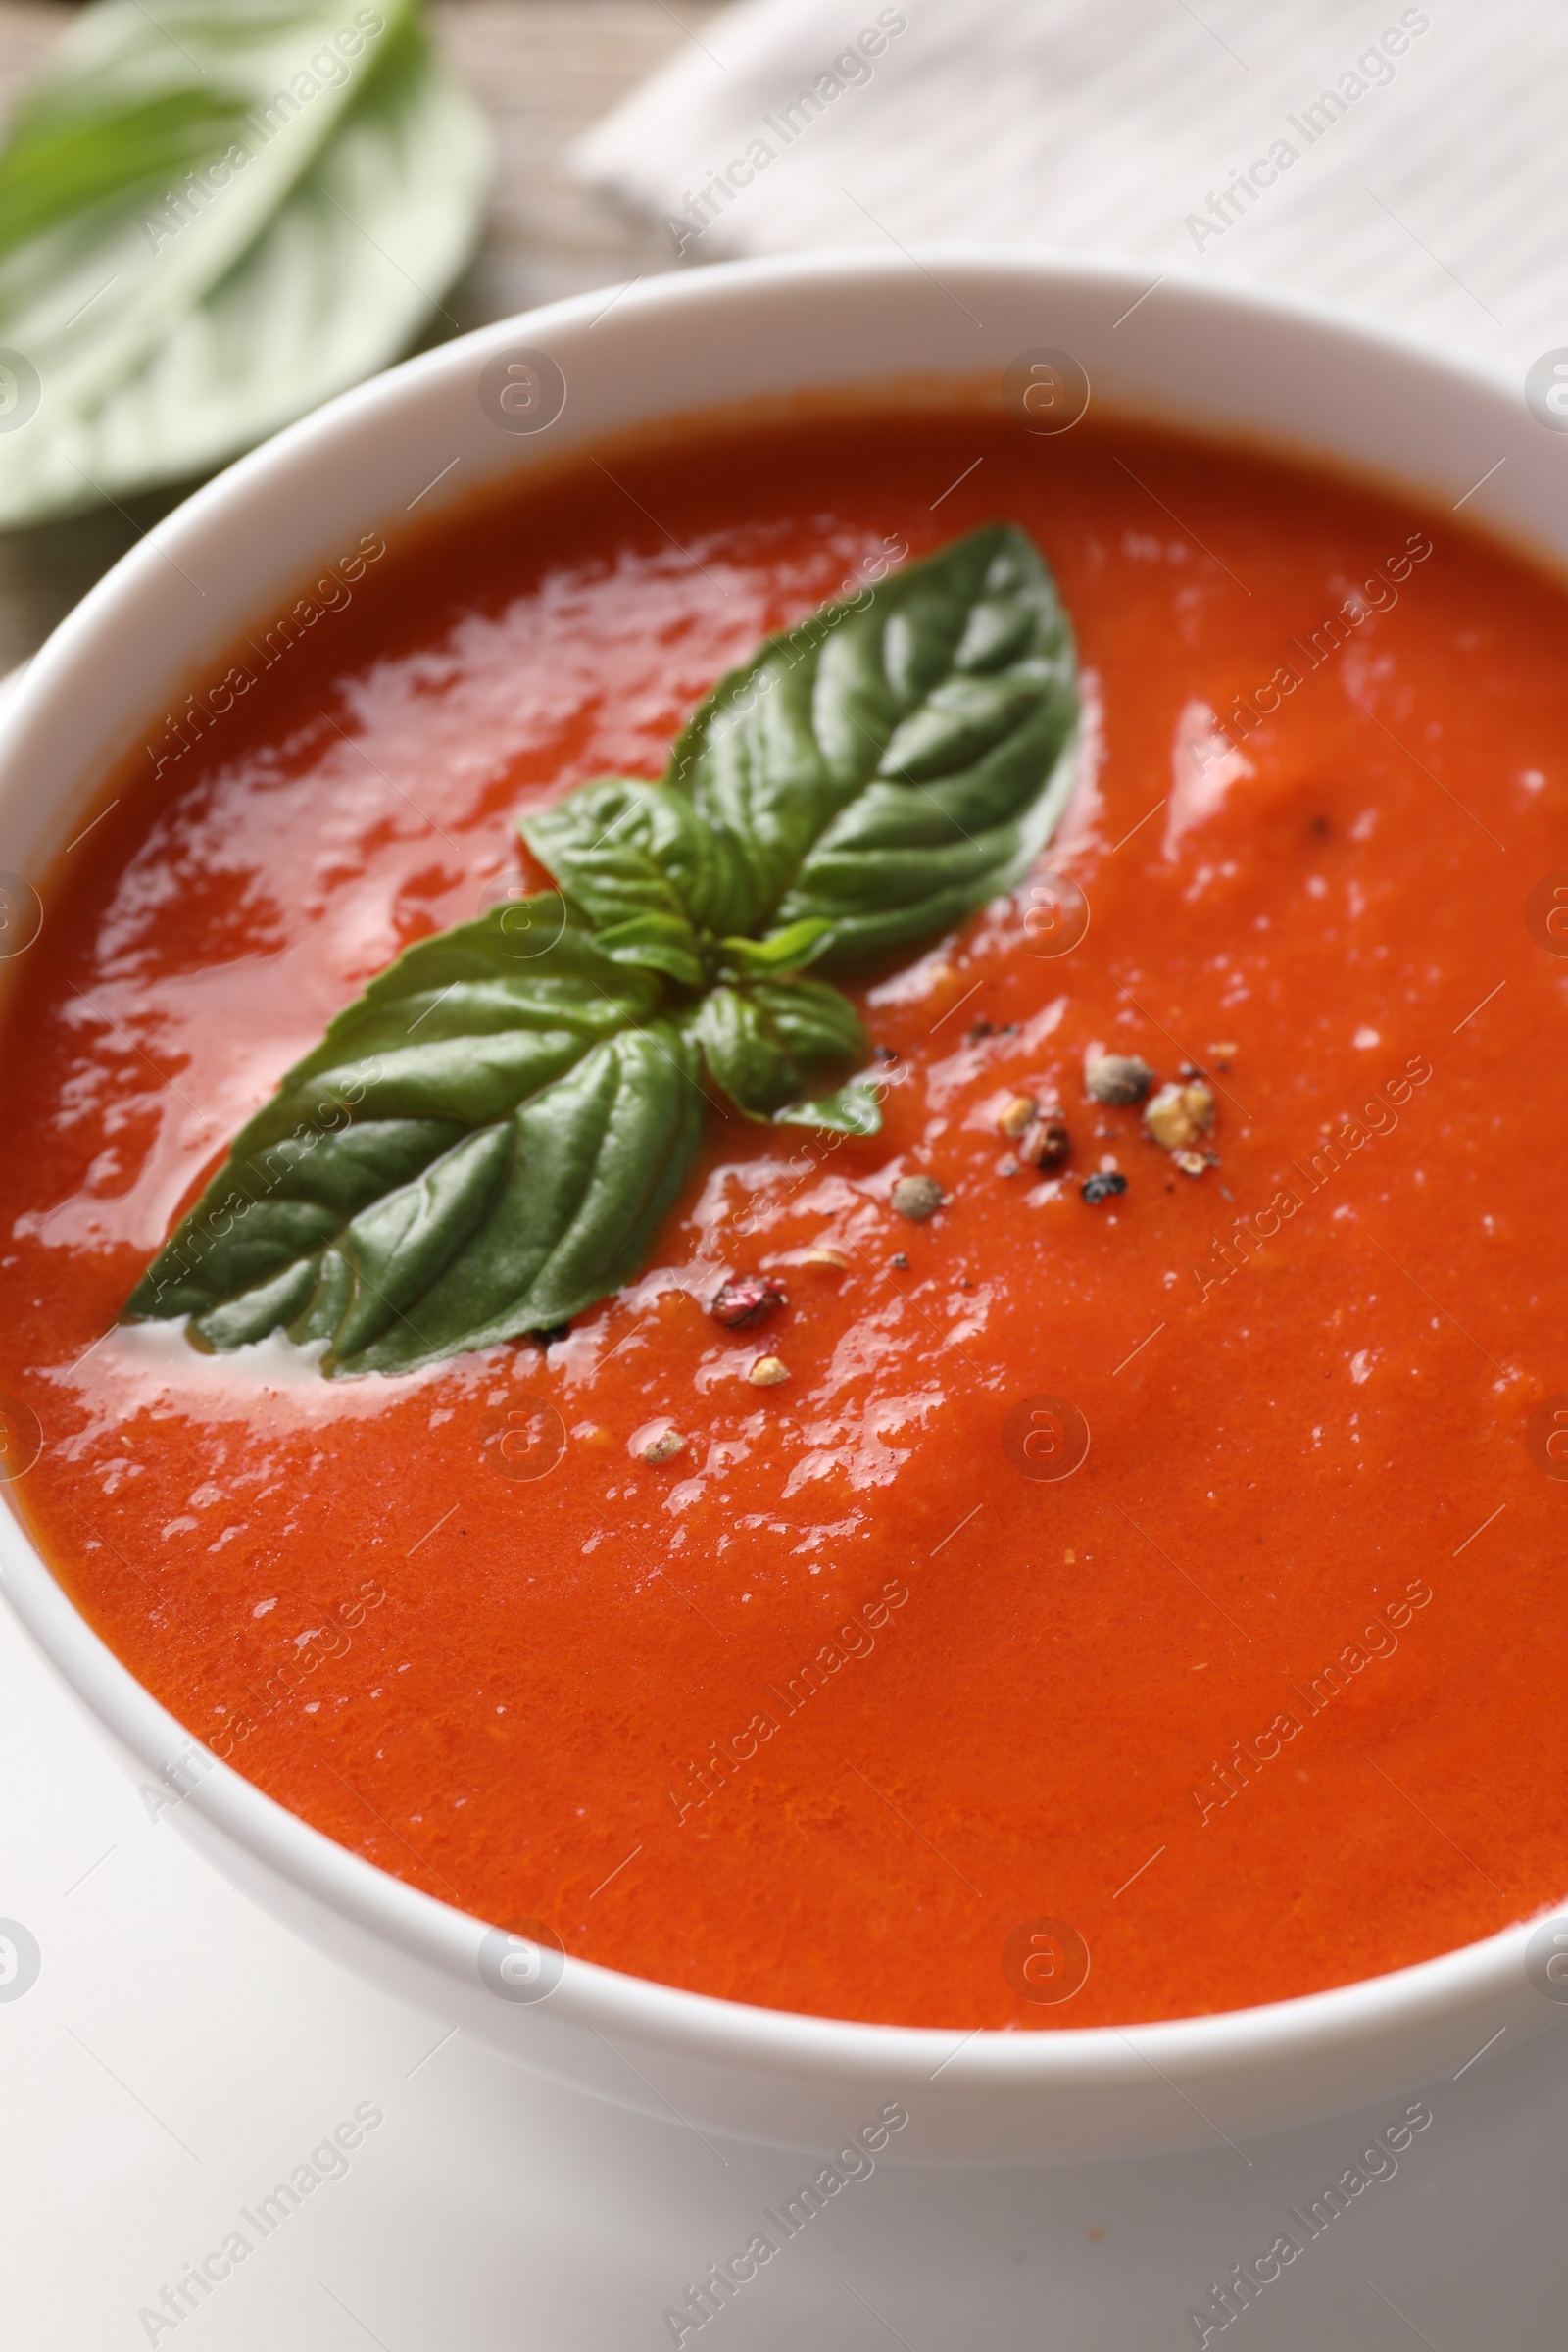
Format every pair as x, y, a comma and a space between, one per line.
1406, 162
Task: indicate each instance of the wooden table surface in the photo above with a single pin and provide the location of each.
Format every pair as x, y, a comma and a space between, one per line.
544, 71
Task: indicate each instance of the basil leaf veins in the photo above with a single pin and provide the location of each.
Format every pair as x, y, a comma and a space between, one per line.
900, 756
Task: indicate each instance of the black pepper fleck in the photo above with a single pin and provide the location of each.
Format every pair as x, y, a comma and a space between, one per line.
884, 1053
901, 1261
550, 1333
1104, 1185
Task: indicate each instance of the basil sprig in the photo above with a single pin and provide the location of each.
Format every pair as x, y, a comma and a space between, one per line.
485, 1141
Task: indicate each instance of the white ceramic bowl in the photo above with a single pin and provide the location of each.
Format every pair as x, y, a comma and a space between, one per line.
1224, 362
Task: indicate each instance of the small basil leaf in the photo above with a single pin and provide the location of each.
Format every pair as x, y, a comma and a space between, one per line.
622, 848
658, 943
853, 1110
770, 1043
782, 951
902, 756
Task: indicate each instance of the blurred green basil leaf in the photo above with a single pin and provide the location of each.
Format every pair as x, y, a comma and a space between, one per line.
212, 218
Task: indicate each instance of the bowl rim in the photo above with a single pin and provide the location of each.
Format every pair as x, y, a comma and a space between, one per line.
422, 1927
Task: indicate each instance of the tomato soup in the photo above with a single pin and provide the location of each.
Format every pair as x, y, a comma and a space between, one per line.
1115, 1599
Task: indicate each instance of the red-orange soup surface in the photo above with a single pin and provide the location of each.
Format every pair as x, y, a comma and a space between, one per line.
825, 1710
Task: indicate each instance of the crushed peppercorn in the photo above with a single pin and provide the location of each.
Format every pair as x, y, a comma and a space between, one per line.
1118, 1078
1177, 1116
1048, 1145
917, 1197
746, 1299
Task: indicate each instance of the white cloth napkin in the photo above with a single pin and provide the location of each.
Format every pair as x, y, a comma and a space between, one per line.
1409, 162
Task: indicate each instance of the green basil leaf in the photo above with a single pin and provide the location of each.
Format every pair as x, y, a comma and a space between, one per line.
465, 1023
481, 1145
769, 1043
622, 848
130, 100
899, 757
658, 943
527, 1222
638, 860
788, 951
174, 322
